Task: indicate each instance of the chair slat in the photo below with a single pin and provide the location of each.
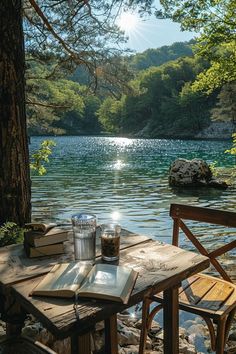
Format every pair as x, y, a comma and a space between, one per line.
216, 297
214, 216
226, 248
196, 291
187, 282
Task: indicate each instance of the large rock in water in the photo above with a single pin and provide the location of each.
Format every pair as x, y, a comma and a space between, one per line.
191, 173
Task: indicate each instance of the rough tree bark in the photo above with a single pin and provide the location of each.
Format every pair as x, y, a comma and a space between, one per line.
15, 186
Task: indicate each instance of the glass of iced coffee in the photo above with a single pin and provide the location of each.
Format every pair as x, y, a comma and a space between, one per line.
110, 241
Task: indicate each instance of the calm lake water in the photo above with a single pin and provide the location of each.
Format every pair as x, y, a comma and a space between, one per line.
125, 179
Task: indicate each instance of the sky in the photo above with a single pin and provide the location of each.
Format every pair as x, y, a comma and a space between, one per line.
151, 32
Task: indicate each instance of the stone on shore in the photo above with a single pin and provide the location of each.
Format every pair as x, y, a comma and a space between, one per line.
193, 173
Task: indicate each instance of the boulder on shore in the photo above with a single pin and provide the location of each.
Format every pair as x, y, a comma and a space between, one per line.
192, 173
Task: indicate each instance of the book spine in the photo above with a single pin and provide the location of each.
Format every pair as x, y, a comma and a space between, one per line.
49, 250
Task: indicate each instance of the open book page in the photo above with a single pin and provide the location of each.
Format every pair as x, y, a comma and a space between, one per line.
109, 282
40, 227
63, 280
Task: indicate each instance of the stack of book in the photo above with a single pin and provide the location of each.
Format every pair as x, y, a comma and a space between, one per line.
44, 239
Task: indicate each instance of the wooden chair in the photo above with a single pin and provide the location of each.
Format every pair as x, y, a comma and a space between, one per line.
22, 345
211, 297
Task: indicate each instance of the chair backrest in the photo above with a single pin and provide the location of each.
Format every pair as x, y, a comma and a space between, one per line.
181, 212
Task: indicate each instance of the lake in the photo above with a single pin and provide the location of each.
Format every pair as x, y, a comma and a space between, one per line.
124, 179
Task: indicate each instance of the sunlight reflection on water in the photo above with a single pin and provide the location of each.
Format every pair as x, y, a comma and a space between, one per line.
128, 177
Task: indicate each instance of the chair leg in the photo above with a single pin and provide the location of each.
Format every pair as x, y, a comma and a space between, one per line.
228, 323
220, 337
152, 314
211, 331
144, 328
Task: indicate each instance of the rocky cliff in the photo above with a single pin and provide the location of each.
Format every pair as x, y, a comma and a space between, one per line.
217, 130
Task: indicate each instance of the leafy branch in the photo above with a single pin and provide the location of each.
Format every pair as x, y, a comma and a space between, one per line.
232, 151
41, 156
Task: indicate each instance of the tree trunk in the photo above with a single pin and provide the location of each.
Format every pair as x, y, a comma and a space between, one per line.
15, 183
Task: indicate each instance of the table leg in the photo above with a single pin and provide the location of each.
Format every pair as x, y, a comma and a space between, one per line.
81, 344
14, 316
171, 320
144, 328
111, 340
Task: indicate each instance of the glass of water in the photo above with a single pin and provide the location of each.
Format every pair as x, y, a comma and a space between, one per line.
84, 230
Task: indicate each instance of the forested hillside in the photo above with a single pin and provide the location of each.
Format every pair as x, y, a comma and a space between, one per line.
154, 98
159, 56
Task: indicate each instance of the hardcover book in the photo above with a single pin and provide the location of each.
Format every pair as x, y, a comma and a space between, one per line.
101, 281
43, 251
52, 236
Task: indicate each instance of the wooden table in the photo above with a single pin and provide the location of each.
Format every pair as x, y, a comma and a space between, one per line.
161, 267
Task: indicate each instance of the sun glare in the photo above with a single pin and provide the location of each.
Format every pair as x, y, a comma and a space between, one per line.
115, 215
128, 22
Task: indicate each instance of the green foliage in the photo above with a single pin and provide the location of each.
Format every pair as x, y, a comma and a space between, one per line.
214, 169
109, 114
40, 156
221, 71
159, 56
162, 103
225, 109
216, 23
232, 151
10, 233
49, 99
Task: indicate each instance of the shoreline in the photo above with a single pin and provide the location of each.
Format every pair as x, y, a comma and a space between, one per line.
130, 137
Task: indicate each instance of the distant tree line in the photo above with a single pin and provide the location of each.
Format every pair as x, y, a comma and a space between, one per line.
159, 98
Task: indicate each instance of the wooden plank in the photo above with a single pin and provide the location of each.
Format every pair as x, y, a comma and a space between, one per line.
217, 295
196, 291
187, 282
175, 234
193, 239
226, 248
214, 216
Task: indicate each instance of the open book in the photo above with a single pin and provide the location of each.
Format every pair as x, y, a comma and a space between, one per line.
102, 281
41, 228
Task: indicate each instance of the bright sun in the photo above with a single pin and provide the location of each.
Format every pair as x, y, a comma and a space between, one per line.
128, 22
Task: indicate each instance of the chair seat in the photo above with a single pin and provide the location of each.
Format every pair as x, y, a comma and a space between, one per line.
203, 293
23, 345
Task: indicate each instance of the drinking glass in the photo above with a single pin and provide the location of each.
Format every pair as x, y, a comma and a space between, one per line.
110, 242
84, 231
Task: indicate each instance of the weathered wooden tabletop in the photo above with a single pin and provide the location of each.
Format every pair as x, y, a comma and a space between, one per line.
161, 267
